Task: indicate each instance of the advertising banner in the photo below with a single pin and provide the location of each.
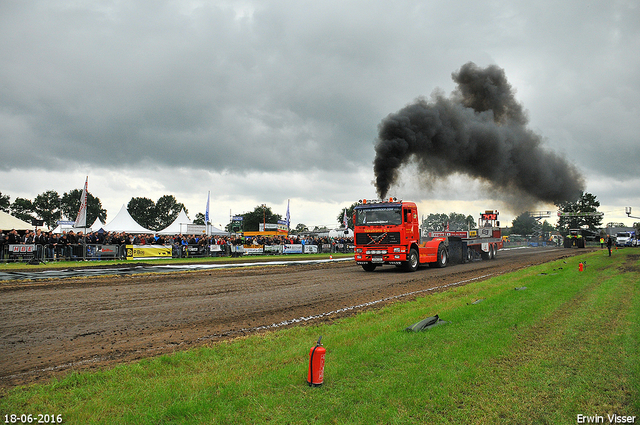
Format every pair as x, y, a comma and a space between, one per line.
310, 249
273, 249
24, 251
253, 249
292, 249
110, 251
445, 234
141, 252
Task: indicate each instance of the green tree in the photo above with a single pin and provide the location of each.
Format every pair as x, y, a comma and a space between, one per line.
70, 205
155, 215
523, 224
143, 211
547, 227
349, 211
22, 208
455, 221
199, 219
47, 207
167, 210
5, 202
260, 214
580, 213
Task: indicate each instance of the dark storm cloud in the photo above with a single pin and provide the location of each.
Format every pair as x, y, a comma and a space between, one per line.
264, 87
480, 131
213, 86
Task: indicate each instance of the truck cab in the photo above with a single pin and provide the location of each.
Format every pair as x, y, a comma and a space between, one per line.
388, 232
626, 239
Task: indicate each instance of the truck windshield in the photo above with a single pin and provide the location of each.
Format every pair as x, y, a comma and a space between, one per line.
378, 216
623, 235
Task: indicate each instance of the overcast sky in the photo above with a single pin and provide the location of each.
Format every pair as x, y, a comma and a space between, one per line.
265, 101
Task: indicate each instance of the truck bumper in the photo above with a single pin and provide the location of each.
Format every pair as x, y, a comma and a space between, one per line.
392, 258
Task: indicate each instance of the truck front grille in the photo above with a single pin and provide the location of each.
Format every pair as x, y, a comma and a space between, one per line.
378, 238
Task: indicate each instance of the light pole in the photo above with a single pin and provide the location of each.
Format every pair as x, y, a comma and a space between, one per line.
628, 211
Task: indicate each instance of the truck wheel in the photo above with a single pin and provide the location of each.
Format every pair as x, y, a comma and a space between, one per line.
443, 257
412, 262
494, 252
369, 267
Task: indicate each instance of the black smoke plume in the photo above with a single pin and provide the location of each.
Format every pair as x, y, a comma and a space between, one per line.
480, 131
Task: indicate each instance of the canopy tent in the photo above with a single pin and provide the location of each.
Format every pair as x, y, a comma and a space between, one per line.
180, 226
339, 233
217, 232
97, 225
123, 222
9, 222
175, 228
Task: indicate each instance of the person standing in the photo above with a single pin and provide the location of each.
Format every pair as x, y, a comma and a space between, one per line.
609, 244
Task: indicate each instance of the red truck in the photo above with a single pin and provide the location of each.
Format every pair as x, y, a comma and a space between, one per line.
388, 232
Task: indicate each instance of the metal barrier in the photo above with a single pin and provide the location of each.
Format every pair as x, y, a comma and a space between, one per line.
94, 252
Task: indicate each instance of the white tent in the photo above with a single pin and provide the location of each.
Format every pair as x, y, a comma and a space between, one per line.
123, 222
97, 225
339, 233
9, 222
217, 232
175, 228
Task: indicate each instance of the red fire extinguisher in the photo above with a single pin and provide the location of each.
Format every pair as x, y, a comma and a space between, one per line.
316, 365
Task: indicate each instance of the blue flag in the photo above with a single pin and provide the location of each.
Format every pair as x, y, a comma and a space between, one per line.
206, 213
288, 216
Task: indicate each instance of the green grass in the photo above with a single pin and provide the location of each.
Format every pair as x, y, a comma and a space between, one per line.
568, 344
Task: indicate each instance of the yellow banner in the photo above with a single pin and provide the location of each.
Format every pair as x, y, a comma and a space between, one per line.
135, 252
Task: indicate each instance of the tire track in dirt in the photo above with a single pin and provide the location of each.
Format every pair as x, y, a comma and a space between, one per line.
53, 326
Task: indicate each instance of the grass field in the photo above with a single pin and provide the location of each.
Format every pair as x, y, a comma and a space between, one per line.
567, 345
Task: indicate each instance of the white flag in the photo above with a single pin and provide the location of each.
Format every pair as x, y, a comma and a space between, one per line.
81, 219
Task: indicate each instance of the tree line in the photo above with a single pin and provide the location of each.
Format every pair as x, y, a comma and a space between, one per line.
50, 207
523, 224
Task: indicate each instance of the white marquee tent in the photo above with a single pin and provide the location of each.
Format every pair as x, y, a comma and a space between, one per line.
123, 222
179, 226
9, 222
175, 228
97, 225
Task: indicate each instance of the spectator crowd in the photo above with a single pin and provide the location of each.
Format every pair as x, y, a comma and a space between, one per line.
78, 245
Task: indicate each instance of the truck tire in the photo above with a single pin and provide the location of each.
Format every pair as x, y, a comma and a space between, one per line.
494, 252
369, 267
443, 257
413, 261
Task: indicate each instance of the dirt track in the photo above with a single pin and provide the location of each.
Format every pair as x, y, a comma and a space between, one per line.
49, 327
